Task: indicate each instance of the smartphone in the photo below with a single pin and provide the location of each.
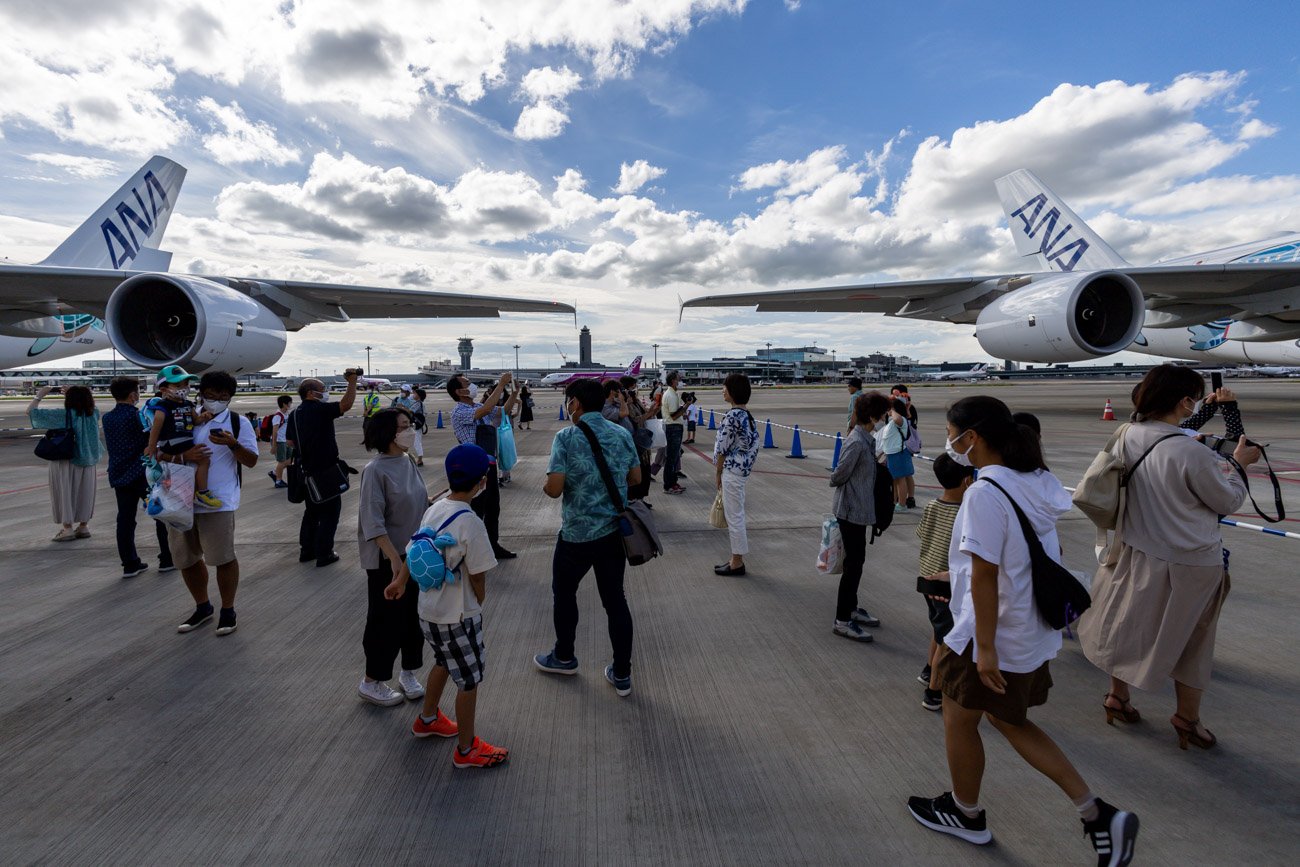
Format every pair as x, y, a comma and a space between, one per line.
1216, 380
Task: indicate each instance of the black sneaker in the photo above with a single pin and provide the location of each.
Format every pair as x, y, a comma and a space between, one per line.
503, 554
202, 614
226, 622
932, 700
941, 814
1113, 835
911, 502
134, 570
924, 677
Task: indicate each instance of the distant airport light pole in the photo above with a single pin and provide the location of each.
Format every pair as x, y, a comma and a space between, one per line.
368, 370
516, 356
656, 346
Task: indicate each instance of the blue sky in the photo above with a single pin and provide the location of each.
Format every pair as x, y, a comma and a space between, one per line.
700, 146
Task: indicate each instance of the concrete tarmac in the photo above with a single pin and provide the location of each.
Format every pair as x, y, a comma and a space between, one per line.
752, 735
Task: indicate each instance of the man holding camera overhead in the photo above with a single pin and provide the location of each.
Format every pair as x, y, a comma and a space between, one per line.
311, 435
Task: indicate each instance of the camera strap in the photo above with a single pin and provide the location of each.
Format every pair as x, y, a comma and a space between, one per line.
1272, 477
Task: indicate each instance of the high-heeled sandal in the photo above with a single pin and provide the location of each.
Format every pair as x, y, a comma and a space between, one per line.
1187, 733
1125, 713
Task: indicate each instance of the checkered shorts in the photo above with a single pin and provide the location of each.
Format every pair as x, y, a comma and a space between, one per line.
458, 647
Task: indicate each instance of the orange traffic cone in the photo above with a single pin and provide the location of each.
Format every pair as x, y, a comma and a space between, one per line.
1108, 414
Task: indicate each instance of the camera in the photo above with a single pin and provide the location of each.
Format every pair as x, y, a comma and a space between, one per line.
1223, 445
357, 370
688, 397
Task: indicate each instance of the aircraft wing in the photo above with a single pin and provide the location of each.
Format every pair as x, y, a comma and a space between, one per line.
956, 299
38, 288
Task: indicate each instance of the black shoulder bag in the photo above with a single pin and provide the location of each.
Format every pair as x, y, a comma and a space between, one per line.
320, 486
59, 444
1057, 593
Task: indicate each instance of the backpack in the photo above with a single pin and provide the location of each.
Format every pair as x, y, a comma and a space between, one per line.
882, 494
425, 558
266, 429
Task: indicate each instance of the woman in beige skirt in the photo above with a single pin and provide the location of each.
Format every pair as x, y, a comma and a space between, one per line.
72, 482
1156, 602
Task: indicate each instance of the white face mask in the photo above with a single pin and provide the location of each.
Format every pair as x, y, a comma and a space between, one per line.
878, 425
473, 391
405, 439
482, 486
216, 407
176, 393
1196, 407
962, 458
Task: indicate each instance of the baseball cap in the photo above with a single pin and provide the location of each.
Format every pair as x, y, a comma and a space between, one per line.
406, 387
466, 464
174, 373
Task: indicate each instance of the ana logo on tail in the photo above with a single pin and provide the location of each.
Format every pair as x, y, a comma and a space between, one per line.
1051, 247
145, 220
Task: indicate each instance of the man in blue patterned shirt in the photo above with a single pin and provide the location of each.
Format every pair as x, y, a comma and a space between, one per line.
590, 537
125, 440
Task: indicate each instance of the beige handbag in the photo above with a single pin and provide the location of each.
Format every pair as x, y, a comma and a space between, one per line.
718, 514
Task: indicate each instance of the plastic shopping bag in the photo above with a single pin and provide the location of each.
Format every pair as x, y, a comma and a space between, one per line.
171, 500
656, 428
507, 454
830, 558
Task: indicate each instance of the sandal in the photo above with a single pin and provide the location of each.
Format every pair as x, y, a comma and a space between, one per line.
1189, 732
1125, 713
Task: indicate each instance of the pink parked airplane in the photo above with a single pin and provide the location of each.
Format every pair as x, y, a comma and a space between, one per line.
564, 377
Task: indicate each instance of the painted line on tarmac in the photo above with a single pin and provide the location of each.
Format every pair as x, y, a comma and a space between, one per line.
23, 490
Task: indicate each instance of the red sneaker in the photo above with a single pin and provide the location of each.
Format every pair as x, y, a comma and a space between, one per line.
481, 755
442, 727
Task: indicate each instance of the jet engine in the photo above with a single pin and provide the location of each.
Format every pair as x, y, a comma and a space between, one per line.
1063, 317
159, 319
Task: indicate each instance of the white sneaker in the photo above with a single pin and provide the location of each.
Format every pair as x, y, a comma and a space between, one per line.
409, 681
378, 692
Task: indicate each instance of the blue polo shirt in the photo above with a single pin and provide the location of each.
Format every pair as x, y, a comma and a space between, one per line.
587, 511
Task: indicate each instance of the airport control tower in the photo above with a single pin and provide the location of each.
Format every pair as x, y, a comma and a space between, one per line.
584, 347
466, 349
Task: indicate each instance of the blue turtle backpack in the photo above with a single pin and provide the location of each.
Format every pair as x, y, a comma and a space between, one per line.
425, 558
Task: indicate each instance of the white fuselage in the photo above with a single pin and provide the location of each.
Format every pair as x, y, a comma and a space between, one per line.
82, 333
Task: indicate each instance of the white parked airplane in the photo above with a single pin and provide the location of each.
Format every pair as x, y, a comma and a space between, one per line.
979, 371
108, 284
1239, 304
1274, 371
564, 377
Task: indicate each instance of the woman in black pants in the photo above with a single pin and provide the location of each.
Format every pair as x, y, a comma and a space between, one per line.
854, 481
393, 500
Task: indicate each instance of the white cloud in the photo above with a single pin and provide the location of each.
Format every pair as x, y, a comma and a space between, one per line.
547, 83
541, 121
547, 89
242, 140
1254, 128
635, 176
77, 166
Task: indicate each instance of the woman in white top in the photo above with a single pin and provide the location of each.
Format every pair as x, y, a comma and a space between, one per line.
995, 659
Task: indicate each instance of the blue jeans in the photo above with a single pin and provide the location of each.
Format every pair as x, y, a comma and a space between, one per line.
673, 458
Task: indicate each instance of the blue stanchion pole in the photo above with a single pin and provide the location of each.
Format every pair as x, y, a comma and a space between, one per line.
438, 426
839, 444
767, 436
796, 447
712, 424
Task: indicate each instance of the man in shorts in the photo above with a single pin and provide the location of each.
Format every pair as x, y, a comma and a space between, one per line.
229, 442
279, 439
451, 615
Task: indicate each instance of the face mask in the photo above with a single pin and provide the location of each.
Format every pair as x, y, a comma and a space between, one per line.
473, 391
481, 488
1196, 407
216, 407
322, 396
878, 425
405, 439
176, 393
962, 458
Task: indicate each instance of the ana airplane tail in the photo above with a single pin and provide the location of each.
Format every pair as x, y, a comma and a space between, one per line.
1044, 226
634, 368
125, 231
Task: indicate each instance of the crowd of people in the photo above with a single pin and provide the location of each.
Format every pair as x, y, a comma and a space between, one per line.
1156, 597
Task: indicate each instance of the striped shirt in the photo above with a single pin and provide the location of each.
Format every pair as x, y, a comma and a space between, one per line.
935, 533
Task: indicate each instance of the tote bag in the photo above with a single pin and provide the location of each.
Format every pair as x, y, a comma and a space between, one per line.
658, 436
58, 444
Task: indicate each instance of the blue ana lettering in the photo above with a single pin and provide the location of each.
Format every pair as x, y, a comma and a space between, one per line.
146, 220
1049, 245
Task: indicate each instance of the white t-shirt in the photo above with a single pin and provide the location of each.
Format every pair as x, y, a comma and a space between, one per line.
672, 403
223, 469
278, 424
987, 527
472, 554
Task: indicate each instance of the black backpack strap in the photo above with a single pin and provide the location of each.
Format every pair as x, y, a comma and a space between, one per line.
1031, 536
1128, 474
603, 467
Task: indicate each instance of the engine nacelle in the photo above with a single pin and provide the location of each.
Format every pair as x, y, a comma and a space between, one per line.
159, 319
1063, 317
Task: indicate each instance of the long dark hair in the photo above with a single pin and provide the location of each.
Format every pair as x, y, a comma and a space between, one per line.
79, 399
1017, 444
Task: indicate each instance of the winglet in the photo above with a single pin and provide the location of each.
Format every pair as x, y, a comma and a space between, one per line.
125, 231
1044, 226
681, 308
